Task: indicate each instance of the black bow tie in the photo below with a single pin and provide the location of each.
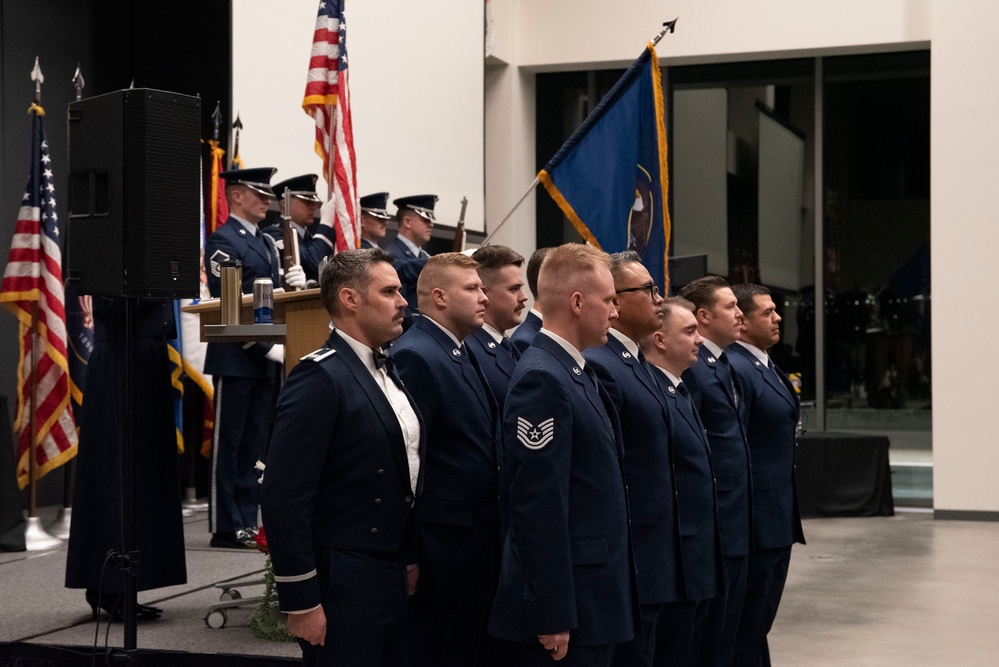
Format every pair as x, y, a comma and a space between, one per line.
382, 360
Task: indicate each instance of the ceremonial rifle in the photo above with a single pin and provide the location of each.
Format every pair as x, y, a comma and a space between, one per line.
459, 230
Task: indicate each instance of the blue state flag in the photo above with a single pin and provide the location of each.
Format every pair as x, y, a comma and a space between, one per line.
610, 177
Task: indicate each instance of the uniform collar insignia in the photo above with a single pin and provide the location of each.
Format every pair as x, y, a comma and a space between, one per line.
711, 360
456, 352
671, 389
490, 345
575, 369
626, 354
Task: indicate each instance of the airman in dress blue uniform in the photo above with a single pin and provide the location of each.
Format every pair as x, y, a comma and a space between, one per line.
458, 511
313, 248
342, 472
567, 579
503, 282
416, 222
525, 333
374, 218
770, 412
714, 391
243, 373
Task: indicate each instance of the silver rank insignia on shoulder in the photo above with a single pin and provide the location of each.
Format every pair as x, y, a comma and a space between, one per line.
242, 231
626, 354
575, 369
711, 360
216, 260
318, 355
671, 389
490, 345
535, 437
456, 352
757, 363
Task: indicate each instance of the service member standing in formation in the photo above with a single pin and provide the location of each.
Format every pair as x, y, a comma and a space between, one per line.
770, 412
374, 219
686, 626
567, 580
342, 472
416, 223
312, 248
714, 392
503, 282
243, 373
525, 333
458, 514
641, 405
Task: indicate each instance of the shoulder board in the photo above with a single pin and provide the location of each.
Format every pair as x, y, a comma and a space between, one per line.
318, 355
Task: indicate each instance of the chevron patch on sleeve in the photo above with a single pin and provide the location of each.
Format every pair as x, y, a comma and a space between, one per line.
535, 437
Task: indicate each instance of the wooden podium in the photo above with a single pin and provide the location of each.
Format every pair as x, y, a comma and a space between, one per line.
300, 322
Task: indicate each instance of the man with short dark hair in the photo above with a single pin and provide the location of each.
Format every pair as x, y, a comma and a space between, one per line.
312, 247
770, 415
503, 282
416, 223
632, 387
714, 391
567, 581
374, 219
243, 373
342, 472
525, 333
684, 626
457, 515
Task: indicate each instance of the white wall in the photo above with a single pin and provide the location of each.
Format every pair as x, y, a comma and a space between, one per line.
416, 92
964, 170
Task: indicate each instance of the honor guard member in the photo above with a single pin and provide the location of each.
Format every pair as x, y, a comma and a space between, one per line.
684, 627
416, 219
771, 412
458, 514
500, 269
714, 392
312, 248
342, 472
243, 373
374, 218
567, 578
641, 405
529, 328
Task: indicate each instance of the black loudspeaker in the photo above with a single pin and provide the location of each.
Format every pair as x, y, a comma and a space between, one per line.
135, 194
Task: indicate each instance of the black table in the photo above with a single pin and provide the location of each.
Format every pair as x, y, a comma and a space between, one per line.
843, 474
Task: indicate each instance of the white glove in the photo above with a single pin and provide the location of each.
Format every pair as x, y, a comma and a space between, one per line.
328, 212
295, 277
276, 353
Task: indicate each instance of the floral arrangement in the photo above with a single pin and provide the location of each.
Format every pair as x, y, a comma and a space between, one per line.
267, 621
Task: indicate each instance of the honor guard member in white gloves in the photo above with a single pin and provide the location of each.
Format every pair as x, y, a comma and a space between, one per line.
243, 373
374, 218
416, 223
343, 469
312, 247
567, 583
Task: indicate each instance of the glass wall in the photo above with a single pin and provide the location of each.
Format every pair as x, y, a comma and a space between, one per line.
744, 176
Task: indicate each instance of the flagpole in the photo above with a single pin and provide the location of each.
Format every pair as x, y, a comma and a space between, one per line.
668, 26
35, 537
328, 150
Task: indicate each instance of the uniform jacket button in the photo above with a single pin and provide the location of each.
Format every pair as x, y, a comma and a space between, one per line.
380, 471
378, 501
374, 531
409, 498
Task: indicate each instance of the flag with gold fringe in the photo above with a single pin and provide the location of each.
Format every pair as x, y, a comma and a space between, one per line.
327, 100
32, 290
610, 178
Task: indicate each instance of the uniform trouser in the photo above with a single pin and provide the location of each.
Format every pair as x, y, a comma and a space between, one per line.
765, 579
682, 630
244, 411
449, 633
639, 651
364, 599
726, 609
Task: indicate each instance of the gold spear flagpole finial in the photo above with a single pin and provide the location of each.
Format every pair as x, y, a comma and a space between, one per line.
668, 26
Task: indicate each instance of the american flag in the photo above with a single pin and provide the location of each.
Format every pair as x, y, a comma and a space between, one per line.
33, 279
327, 100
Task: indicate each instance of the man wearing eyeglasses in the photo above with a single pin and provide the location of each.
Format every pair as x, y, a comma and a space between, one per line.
716, 394
628, 379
